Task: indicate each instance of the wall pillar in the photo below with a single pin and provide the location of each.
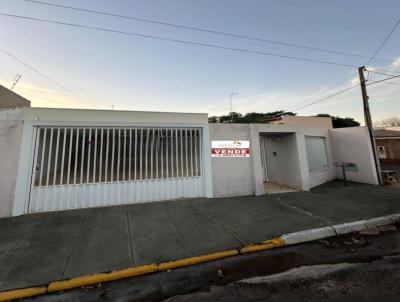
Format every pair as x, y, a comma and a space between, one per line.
257, 171
303, 162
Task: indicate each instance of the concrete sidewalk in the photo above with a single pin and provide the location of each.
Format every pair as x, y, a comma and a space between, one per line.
40, 248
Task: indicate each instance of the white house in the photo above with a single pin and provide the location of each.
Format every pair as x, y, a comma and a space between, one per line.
57, 159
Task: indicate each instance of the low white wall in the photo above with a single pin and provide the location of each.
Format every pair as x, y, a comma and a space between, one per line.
10, 145
352, 145
231, 176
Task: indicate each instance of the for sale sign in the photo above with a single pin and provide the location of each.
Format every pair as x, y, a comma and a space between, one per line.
230, 149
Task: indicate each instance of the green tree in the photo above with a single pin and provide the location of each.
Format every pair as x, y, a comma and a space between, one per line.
213, 119
341, 122
248, 118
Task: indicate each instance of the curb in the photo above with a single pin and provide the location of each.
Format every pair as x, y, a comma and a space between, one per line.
284, 240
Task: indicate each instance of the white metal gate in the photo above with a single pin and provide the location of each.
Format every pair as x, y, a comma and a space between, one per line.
79, 167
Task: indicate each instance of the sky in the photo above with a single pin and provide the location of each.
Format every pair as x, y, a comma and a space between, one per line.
107, 70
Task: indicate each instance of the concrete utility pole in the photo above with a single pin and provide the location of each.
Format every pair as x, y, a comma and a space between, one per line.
368, 122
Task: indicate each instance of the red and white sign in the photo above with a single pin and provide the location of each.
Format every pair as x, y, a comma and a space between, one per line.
230, 149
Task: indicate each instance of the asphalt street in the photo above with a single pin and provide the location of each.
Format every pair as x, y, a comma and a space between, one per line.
353, 267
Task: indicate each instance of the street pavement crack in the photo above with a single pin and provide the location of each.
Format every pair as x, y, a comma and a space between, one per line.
217, 221
299, 210
177, 229
131, 251
85, 217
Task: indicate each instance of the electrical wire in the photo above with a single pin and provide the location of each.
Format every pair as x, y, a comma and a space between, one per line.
341, 91
319, 93
381, 73
384, 42
385, 70
328, 97
383, 80
368, 62
241, 50
48, 77
192, 28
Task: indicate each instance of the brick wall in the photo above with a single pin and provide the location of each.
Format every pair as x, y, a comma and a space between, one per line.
392, 147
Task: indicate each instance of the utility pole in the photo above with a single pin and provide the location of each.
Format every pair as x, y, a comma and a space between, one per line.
368, 122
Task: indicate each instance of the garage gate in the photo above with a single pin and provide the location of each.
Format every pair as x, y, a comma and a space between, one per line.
79, 167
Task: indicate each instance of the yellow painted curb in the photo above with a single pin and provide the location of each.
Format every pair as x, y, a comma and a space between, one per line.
265, 245
135, 271
97, 278
194, 260
21, 293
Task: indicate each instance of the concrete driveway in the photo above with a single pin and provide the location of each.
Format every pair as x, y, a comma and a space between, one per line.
39, 248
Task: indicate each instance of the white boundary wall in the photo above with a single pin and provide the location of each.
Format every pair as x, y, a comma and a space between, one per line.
10, 143
352, 145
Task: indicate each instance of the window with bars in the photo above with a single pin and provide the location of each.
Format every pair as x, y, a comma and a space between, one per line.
72, 155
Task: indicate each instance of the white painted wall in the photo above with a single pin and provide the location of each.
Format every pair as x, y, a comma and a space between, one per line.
309, 121
231, 176
353, 145
10, 146
110, 116
241, 176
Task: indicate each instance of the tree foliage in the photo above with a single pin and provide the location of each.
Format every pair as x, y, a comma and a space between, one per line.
341, 122
248, 118
261, 118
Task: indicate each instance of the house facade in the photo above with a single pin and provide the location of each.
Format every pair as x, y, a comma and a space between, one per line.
388, 144
59, 159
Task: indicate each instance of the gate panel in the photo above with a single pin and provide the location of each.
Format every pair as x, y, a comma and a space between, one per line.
79, 167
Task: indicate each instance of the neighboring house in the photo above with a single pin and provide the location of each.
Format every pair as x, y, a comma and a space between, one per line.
388, 144
9, 99
57, 159
311, 121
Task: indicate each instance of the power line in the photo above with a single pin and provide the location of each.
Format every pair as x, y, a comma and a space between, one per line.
383, 70
381, 73
242, 50
369, 61
383, 42
48, 77
192, 28
383, 80
328, 97
310, 98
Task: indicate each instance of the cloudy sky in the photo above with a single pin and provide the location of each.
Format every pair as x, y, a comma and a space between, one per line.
138, 73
